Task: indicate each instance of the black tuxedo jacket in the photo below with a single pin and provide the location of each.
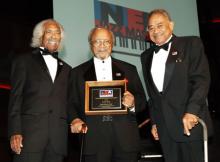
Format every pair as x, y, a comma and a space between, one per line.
185, 88
125, 126
37, 108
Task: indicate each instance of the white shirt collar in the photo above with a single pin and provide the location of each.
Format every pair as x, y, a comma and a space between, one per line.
103, 69
108, 60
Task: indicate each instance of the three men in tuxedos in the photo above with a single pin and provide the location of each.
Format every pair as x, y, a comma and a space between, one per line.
177, 81
108, 138
38, 125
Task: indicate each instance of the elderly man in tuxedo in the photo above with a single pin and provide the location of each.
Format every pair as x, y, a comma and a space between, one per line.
108, 138
37, 109
176, 74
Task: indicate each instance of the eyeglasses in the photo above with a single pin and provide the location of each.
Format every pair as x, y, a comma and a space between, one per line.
103, 42
158, 27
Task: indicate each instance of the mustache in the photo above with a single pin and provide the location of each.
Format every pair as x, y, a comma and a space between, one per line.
157, 34
52, 41
102, 50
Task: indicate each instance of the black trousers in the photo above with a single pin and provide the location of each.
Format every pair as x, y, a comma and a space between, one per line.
109, 149
180, 151
183, 152
47, 155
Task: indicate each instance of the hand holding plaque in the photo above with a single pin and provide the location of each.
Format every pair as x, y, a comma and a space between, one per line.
128, 100
103, 98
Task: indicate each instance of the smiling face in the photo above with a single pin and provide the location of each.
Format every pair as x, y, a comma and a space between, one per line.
101, 43
52, 36
160, 28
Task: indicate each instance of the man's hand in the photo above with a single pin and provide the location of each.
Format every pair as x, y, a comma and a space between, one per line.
16, 143
128, 100
78, 126
189, 121
154, 132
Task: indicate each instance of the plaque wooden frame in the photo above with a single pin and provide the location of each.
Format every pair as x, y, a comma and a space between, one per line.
118, 86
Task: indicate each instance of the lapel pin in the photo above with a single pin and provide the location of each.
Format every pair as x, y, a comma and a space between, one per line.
118, 74
60, 63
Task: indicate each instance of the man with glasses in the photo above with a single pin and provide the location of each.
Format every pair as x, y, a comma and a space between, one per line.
108, 138
176, 74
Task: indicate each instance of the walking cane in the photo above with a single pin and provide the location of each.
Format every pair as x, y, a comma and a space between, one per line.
82, 141
205, 138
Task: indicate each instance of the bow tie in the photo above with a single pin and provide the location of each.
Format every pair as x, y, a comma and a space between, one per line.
47, 52
164, 46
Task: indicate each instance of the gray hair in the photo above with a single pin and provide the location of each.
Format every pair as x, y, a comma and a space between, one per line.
161, 12
92, 32
39, 30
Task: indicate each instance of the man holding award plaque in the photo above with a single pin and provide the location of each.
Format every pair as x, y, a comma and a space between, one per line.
105, 95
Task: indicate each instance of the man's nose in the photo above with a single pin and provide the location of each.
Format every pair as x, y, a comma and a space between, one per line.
53, 35
102, 44
156, 30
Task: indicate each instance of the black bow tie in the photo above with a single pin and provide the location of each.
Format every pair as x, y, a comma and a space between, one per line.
47, 52
164, 46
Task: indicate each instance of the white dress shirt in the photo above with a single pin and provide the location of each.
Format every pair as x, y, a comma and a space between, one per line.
103, 69
158, 67
51, 63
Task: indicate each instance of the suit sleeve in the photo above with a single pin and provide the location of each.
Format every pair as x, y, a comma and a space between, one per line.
17, 78
149, 102
73, 97
138, 92
199, 77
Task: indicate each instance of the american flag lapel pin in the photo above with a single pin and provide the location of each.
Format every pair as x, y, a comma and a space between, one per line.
60, 63
118, 74
174, 53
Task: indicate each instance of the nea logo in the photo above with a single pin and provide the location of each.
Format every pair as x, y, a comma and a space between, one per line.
106, 93
128, 25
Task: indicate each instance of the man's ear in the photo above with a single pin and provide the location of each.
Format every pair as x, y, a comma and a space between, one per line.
171, 25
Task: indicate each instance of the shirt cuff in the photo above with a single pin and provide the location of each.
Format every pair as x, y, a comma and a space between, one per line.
132, 109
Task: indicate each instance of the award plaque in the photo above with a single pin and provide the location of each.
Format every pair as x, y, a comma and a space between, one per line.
104, 97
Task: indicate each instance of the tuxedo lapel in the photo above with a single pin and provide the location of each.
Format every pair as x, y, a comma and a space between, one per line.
148, 64
173, 57
59, 67
90, 73
42, 64
117, 73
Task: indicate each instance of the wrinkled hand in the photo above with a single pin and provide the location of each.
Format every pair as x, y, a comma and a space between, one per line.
189, 121
78, 126
154, 132
16, 143
128, 100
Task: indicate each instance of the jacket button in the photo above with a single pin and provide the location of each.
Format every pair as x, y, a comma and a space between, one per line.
50, 111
